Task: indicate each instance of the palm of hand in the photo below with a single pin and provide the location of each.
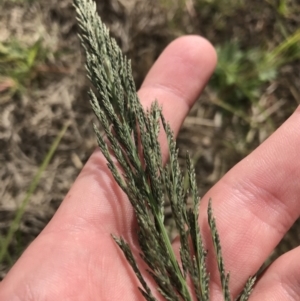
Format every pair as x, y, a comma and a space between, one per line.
75, 257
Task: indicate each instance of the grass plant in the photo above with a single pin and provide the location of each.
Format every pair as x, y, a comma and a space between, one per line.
147, 183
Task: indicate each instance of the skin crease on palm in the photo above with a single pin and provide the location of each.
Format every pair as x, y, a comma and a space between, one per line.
255, 203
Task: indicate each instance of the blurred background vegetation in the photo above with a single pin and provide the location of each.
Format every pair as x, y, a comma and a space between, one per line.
45, 119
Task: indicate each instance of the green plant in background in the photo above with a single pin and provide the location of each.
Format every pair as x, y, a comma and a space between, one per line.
147, 183
14, 226
241, 74
18, 65
281, 6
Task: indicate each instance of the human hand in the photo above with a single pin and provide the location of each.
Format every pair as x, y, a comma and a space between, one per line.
255, 203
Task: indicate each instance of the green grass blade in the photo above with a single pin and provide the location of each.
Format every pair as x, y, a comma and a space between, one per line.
5, 242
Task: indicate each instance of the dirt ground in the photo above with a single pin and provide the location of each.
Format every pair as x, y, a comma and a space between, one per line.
35, 104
